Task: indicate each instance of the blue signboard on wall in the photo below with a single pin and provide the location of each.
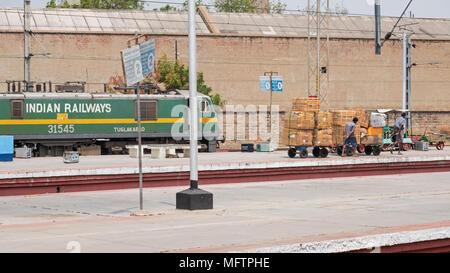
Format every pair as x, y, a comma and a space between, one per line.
132, 65
277, 83
147, 49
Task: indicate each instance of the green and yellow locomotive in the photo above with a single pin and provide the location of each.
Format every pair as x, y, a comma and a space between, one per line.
54, 122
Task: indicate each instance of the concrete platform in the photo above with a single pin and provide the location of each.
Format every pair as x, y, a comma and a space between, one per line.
311, 215
51, 175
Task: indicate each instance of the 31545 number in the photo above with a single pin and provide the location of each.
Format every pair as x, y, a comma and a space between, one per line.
60, 128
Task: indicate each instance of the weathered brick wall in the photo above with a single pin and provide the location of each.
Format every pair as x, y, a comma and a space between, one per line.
429, 122
232, 64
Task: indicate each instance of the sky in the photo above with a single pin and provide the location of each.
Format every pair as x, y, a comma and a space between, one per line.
419, 8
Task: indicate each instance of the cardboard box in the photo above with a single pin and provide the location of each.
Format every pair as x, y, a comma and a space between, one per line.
339, 134
324, 120
363, 117
306, 104
294, 137
300, 120
342, 117
323, 137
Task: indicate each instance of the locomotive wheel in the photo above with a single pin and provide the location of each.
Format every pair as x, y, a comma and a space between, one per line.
316, 151
376, 150
323, 152
361, 148
292, 152
304, 153
339, 150
368, 150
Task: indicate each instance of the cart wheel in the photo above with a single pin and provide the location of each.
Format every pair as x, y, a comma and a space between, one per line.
406, 147
323, 152
316, 152
304, 153
349, 152
292, 152
339, 150
376, 150
368, 150
360, 148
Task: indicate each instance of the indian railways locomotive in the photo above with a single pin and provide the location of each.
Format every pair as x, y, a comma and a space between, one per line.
51, 123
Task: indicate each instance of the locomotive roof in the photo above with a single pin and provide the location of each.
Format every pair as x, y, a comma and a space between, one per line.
176, 94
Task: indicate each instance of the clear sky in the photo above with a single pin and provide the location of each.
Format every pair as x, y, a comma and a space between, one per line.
420, 8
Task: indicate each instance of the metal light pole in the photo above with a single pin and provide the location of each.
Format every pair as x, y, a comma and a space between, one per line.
377, 27
406, 87
193, 198
26, 45
141, 199
270, 74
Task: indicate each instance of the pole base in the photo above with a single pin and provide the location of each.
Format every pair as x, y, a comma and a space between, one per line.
140, 213
194, 199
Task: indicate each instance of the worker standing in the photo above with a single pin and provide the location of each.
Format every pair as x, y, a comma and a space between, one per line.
399, 132
350, 138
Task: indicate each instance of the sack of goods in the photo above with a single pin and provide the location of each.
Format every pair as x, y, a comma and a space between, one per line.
377, 120
306, 104
339, 134
363, 117
323, 137
324, 120
300, 120
294, 137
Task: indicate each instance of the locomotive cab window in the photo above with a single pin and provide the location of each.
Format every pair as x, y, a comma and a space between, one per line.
205, 108
149, 110
16, 109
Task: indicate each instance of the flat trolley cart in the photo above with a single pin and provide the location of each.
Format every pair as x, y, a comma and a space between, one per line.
302, 151
302, 138
368, 146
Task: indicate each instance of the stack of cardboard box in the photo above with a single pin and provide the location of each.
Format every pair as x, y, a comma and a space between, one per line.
340, 119
374, 133
323, 133
300, 124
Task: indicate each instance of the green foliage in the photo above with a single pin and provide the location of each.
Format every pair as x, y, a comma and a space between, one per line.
99, 4
197, 3
175, 75
248, 6
167, 8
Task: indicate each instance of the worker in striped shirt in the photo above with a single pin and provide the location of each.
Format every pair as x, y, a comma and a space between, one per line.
399, 132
